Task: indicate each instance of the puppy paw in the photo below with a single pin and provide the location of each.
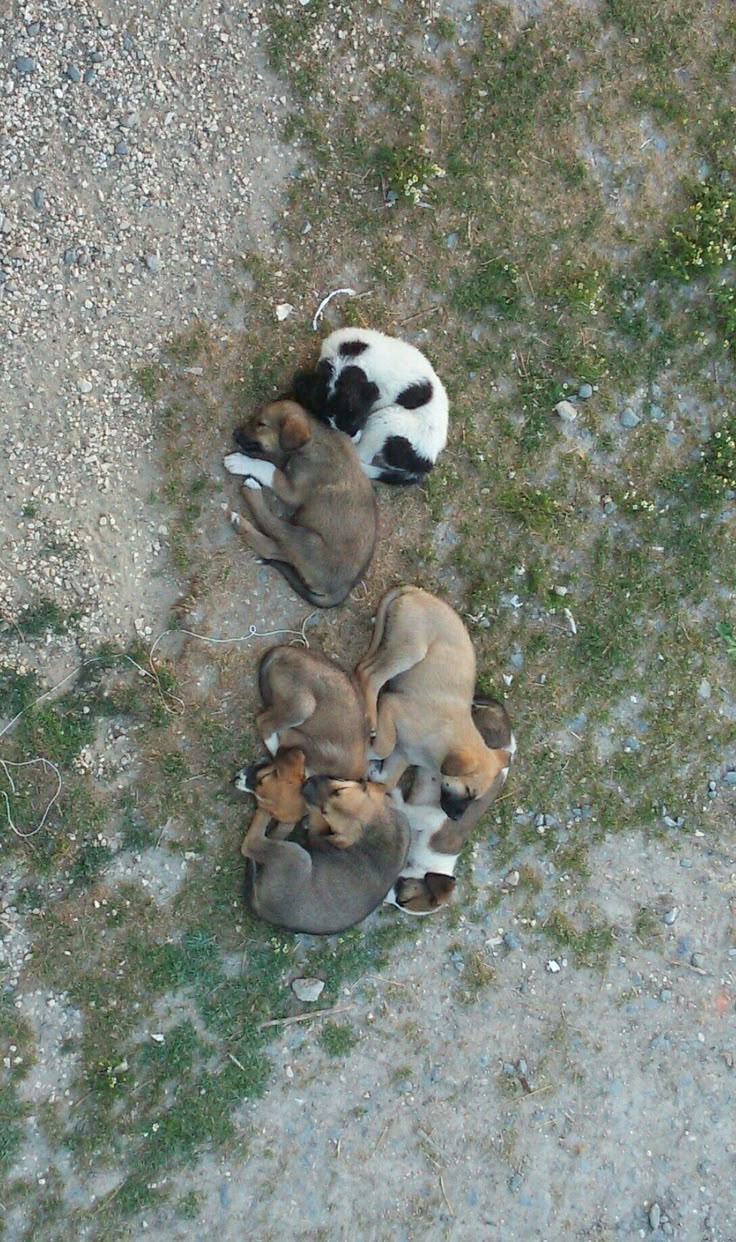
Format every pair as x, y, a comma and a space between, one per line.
232, 517
237, 463
254, 484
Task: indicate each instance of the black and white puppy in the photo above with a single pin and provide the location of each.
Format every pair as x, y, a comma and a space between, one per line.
385, 395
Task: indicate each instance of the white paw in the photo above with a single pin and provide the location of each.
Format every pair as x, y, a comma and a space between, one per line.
253, 484
238, 463
272, 743
374, 771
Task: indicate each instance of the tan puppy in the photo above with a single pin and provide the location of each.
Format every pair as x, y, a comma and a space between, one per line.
421, 647
324, 545
338, 876
428, 878
310, 708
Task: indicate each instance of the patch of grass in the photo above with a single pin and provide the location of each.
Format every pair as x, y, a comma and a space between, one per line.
590, 945
337, 1038
704, 239
478, 974
43, 616
17, 690
493, 283
726, 633
148, 379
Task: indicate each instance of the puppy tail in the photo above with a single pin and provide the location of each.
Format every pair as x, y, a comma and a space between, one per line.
298, 584
400, 478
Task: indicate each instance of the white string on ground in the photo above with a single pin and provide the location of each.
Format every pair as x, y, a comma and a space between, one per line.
253, 632
325, 302
5, 764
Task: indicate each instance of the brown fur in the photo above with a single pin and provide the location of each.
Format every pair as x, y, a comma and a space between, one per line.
325, 544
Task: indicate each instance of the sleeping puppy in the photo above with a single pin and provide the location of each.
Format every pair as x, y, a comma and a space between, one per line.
324, 545
385, 395
422, 663
428, 878
342, 872
311, 710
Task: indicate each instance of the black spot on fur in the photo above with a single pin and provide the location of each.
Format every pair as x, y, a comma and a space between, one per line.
415, 395
351, 349
351, 403
310, 388
401, 463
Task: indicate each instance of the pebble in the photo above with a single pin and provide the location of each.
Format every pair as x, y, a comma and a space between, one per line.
90, 77
730, 777
128, 43
515, 1182
517, 659
84, 386
511, 940
131, 121
39, 198
585, 392
704, 689
655, 1215
33, 29
307, 989
566, 411
70, 256
97, 58
671, 915
24, 64
656, 412
122, 148
512, 879
632, 744
629, 417
452, 240
698, 959
153, 263
73, 73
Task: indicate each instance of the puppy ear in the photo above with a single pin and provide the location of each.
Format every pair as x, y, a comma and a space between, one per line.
455, 764
293, 760
294, 430
439, 886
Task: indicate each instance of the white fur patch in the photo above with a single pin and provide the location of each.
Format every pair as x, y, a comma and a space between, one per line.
252, 483
241, 782
238, 463
263, 471
272, 743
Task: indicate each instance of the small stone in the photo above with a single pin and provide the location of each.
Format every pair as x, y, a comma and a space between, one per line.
24, 65
39, 198
97, 58
84, 386
539, 820
671, 915
698, 960
632, 744
656, 412
566, 411
131, 121
665, 995
712, 786
509, 1069
70, 256
610, 507
553, 967
517, 659
153, 263
283, 310
730, 777
122, 148
655, 1215
629, 417
157, 1039
512, 879
128, 43
585, 392
704, 689
33, 29
90, 77
511, 940
307, 989
73, 73
686, 863
515, 1183
452, 240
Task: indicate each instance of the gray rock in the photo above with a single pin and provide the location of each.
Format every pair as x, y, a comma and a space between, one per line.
610, 507
33, 29
656, 391
630, 418
656, 412
698, 959
587, 812
476, 332
452, 240
511, 940
122, 148
90, 77
39, 198
153, 263
730, 777
632, 743
655, 1215
686, 864
670, 916
307, 989
73, 73
97, 58
515, 1183
665, 995
131, 121
128, 43
509, 1069
517, 659
585, 392
70, 256
704, 689
24, 65
566, 411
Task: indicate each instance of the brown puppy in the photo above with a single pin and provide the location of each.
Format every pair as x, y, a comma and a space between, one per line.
314, 709
428, 878
339, 876
421, 647
324, 545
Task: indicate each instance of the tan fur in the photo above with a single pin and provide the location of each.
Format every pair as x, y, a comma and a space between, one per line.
421, 647
325, 543
337, 877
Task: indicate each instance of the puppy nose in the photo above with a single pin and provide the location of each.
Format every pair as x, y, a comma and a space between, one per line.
314, 789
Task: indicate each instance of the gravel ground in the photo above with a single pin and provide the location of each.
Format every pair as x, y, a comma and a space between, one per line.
137, 160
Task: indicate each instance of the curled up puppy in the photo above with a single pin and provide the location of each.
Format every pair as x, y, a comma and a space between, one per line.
428, 879
385, 395
324, 543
